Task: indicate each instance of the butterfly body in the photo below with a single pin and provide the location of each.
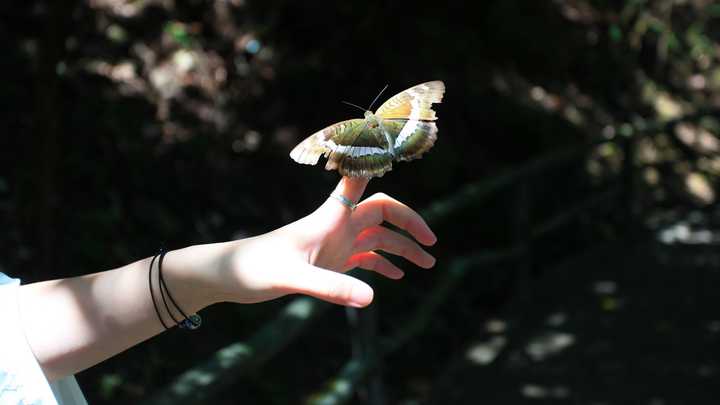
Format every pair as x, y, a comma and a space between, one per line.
402, 129
375, 125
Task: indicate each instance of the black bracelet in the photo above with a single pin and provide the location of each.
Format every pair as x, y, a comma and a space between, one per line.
191, 322
152, 294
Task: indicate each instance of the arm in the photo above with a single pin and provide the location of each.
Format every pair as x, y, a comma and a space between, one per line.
72, 324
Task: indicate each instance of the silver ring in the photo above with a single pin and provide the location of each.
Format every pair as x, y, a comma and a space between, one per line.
344, 201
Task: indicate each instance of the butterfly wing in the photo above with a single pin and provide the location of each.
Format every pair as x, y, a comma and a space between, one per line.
367, 155
412, 137
351, 147
414, 103
322, 142
408, 118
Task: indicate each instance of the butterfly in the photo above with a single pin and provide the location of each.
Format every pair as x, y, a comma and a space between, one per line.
402, 129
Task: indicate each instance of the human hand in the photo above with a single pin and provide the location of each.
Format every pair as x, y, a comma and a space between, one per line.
75, 323
309, 256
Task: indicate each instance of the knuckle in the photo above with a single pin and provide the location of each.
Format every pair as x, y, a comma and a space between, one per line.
369, 262
367, 241
376, 234
380, 241
375, 242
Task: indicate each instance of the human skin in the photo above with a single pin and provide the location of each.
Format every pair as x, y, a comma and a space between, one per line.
72, 324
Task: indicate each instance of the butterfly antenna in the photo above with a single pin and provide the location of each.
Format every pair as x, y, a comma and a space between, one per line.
354, 105
378, 96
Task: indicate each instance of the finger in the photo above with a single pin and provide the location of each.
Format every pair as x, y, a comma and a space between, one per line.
374, 262
351, 188
327, 285
378, 237
381, 207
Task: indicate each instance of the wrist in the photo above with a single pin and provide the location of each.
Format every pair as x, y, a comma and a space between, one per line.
189, 274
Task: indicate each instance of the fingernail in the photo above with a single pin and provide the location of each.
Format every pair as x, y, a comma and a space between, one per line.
433, 239
428, 261
361, 297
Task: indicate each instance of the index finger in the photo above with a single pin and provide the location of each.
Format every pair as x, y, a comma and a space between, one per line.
351, 188
381, 207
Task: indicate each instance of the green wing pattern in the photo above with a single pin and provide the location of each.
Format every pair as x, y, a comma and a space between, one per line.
412, 138
360, 152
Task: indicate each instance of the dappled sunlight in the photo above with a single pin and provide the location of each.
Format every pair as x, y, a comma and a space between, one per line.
569, 102
178, 73
678, 234
698, 138
683, 232
667, 108
496, 325
483, 353
710, 165
225, 359
573, 190
605, 161
537, 391
122, 8
250, 142
198, 378
650, 151
581, 12
301, 308
229, 355
549, 344
699, 187
651, 176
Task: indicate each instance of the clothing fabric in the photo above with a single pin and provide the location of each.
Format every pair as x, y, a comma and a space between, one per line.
22, 381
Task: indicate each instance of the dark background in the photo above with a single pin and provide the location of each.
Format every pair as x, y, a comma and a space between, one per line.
127, 125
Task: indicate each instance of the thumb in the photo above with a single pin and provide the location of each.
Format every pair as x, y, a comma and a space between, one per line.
327, 285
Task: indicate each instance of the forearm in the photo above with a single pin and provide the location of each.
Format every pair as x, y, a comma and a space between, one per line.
75, 323
72, 324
